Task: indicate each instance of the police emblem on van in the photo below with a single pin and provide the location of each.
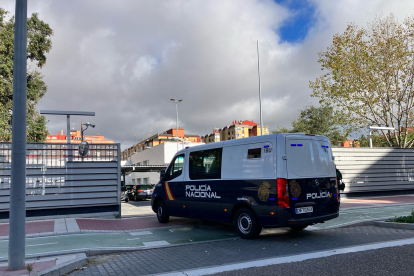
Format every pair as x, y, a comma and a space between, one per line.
295, 189
264, 191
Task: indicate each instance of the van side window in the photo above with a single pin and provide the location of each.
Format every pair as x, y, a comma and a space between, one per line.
176, 168
205, 164
254, 153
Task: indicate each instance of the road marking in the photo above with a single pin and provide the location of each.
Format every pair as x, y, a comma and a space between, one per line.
133, 239
42, 244
156, 243
140, 233
290, 259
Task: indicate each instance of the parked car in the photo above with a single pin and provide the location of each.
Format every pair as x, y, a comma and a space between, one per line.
124, 193
140, 192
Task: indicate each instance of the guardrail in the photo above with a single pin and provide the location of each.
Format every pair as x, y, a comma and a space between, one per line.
375, 169
59, 181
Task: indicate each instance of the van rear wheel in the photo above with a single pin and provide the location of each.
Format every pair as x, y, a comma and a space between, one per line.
246, 224
298, 227
162, 212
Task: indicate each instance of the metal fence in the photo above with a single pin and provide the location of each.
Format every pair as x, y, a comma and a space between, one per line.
376, 169
60, 181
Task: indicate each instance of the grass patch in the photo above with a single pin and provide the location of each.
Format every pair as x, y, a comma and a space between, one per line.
405, 219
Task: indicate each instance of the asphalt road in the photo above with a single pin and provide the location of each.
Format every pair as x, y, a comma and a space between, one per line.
394, 261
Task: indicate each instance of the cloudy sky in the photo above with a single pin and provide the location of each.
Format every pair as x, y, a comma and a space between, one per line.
125, 59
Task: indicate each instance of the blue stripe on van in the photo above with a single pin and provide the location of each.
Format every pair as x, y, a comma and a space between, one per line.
266, 146
293, 145
299, 145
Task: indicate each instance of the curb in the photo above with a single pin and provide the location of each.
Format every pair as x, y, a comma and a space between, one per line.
109, 250
66, 267
406, 226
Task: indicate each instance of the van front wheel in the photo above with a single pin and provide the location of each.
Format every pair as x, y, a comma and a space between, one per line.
162, 212
246, 224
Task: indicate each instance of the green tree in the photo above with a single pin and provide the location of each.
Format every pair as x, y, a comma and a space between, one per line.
322, 120
282, 130
38, 44
370, 76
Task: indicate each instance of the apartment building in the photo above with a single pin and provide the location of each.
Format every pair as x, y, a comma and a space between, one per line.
237, 130
159, 138
75, 138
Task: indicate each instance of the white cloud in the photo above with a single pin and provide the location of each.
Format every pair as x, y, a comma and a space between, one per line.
143, 67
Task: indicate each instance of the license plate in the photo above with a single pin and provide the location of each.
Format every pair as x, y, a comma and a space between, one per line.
303, 210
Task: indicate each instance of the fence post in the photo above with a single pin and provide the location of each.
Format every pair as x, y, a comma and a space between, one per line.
118, 159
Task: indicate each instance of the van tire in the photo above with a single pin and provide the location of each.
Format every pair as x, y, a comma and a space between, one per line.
162, 212
298, 227
246, 223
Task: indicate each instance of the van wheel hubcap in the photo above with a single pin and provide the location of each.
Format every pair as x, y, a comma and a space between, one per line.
160, 211
245, 223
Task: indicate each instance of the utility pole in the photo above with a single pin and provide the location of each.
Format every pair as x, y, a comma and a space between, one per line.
17, 230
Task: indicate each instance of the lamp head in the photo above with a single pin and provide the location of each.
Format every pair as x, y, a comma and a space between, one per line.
89, 125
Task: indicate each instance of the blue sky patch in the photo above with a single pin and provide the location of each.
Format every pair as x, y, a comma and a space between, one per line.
296, 28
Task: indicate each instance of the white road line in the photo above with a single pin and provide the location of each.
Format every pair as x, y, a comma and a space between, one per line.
140, 233
133, 239
41, 244
156, 243
290, 259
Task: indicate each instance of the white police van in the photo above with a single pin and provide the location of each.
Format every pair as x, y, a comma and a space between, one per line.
277, 180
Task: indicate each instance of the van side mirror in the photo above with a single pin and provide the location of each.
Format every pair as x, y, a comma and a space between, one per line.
162, 174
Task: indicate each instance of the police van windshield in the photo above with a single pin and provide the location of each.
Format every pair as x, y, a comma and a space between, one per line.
176, 168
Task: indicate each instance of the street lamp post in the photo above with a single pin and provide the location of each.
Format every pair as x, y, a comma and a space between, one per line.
17, 229
260, 90
87, 125
176, 110
371, 128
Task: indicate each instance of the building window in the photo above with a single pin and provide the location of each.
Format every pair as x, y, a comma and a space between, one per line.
254, 153
145, 180
205, 164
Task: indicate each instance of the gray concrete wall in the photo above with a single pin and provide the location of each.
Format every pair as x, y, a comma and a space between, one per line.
376, 169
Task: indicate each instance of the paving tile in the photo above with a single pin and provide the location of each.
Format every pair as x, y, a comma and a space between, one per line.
162, 260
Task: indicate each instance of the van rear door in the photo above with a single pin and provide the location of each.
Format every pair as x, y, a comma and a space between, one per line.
311, 176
